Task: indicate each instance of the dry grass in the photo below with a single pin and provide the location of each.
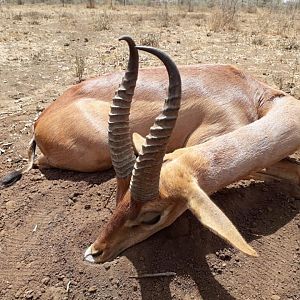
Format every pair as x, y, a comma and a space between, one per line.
150, 39
254, 38
91, 4
102, 22
225, 16
79, 67
164, 17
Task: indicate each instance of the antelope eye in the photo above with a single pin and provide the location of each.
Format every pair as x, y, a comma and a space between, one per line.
150, 218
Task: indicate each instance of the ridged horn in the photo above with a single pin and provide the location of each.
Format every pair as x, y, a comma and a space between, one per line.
119, 137
144, 184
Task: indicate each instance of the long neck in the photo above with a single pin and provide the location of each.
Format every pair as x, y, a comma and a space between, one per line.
230, 157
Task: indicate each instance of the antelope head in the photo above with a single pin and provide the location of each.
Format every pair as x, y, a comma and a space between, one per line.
153, 190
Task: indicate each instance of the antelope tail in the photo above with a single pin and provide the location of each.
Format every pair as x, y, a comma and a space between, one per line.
16, 175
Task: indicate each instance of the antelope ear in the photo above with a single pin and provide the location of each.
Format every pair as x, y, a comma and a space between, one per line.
212, 217
138, 142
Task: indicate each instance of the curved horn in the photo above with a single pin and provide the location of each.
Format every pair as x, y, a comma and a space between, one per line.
119, 137
144, 183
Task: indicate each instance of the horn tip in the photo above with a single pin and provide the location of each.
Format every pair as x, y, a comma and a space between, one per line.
127, 38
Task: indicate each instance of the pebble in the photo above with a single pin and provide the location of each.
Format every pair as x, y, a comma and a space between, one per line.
70, 202
74, 195
18, 294
93, 289
10, 204
45, 280
28, 294
115, 282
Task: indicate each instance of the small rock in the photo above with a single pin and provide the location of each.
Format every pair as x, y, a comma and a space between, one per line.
275, 297
66, 44
73, 196
28, 294
45, 280
18, 293
10, 204
106, 266
116, 282
86, 40
70, 202
93, 289
225, 256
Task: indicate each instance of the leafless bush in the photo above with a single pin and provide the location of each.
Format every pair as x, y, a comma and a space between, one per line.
79, 67
225, 17
280, 22
258, 41
251, 8
164, 17
136, 19
150, 39
190, 5
34, 15
287, 83
34, 22
286, 22
90, 4
103, 22
17, 17
291, 44
66, 15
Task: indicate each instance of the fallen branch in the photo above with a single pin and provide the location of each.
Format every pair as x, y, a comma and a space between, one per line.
154, 275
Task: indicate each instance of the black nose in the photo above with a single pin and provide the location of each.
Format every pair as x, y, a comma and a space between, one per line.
99, 253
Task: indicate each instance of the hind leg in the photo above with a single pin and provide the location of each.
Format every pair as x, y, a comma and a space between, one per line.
42, 163
286, 169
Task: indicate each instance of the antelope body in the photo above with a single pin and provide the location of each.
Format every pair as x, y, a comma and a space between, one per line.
229, 126
80, 116
216, 99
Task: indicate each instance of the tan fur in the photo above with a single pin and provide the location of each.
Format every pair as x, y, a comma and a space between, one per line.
235, 138
216, 99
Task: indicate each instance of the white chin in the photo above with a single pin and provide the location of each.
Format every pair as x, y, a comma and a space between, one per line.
88, 255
